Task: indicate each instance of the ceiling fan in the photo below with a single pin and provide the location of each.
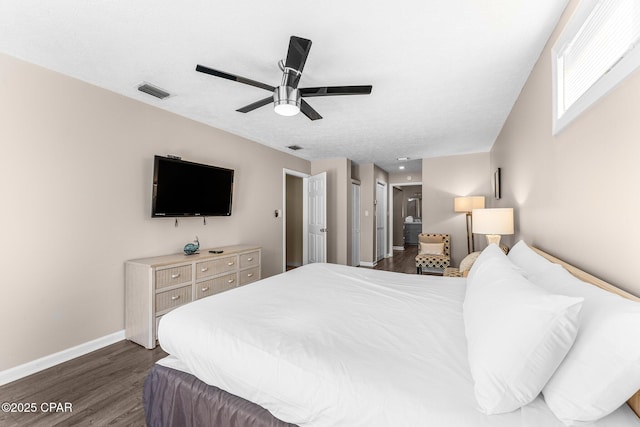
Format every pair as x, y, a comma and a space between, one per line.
287, 98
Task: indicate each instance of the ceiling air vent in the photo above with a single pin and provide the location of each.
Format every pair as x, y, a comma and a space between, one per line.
153, 91
294, 147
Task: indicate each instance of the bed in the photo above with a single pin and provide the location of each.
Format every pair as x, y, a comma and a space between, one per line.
331, 345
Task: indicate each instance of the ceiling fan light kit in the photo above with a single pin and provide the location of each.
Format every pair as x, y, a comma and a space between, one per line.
286, 101
287, 98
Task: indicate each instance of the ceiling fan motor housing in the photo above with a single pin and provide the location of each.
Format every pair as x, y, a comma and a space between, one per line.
286, 100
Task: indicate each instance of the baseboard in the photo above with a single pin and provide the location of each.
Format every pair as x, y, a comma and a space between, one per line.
21, 371
368, 264
294, 264
398, 248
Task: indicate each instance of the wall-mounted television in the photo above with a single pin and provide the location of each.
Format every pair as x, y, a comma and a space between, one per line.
182, 189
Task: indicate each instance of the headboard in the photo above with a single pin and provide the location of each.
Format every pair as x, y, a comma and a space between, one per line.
634, 401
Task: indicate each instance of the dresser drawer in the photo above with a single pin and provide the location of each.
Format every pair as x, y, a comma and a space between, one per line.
251, 259
173, 276
171, 299
250, 275
205, 269
217, 266
217, 285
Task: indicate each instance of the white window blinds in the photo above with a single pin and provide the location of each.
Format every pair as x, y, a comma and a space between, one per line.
610, 31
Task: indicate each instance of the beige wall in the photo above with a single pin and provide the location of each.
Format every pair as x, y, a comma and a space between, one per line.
76, 193
294, 220
405, 178
338, 207
575, 194
443, 179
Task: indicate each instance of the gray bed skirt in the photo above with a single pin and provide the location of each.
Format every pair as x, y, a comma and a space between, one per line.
175, 398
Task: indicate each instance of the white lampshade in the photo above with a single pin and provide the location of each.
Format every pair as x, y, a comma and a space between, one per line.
493, 221
468, 203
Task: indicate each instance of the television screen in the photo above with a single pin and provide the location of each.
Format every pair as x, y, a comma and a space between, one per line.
182, 188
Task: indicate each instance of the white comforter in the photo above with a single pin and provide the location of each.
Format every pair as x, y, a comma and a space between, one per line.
329, 345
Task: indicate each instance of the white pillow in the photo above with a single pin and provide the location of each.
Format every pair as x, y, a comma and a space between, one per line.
602, 369
528, 260
432, 248
517, 333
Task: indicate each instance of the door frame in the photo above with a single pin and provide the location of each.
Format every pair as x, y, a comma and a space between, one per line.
355, 218
385, 206
305, 215
401, 184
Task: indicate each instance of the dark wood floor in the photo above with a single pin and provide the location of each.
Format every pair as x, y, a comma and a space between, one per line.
401, 261
105, 387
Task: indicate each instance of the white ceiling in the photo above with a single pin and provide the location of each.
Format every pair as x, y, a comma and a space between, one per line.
445, 74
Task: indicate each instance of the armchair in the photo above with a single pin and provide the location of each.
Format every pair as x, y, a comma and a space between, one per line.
433, 252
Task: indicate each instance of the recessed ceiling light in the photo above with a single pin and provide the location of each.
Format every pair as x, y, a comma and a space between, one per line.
403, 159
401, 167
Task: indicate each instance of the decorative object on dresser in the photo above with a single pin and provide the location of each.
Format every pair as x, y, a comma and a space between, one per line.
433, 253
156, 285
467, 205
192, 248
494, 223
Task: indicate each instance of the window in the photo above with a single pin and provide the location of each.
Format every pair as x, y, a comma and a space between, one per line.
596, 51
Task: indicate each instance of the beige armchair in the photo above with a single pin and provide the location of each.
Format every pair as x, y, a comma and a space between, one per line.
433, 252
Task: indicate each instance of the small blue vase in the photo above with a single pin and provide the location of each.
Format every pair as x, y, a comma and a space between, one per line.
192, 248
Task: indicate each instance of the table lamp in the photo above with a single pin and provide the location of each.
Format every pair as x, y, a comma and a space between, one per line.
493, 223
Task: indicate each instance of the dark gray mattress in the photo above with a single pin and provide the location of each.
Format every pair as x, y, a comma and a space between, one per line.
175, 398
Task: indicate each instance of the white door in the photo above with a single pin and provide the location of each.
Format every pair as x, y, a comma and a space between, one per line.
381, 220
355, 224
317, 217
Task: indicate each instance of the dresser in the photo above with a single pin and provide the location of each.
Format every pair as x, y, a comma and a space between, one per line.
154, 286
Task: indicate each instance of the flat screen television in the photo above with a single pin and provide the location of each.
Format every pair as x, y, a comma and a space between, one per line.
182, 189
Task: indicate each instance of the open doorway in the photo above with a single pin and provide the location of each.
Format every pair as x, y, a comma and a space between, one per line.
304, 228
294, 220
381, 220
407, 214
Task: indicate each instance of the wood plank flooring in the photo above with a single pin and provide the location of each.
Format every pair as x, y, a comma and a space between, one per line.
105, 387
401, 261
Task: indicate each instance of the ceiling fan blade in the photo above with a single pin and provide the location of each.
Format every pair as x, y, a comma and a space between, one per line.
256, 104
335, 90
222, 74
308, 111
298, 51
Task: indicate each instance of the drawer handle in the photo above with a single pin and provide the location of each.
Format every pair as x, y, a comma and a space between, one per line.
250, 275
175, 297
175, 275
250, 259
230, 281
204, 289
230, 263
203, 269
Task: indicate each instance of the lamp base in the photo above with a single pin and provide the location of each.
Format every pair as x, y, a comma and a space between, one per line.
493, 238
